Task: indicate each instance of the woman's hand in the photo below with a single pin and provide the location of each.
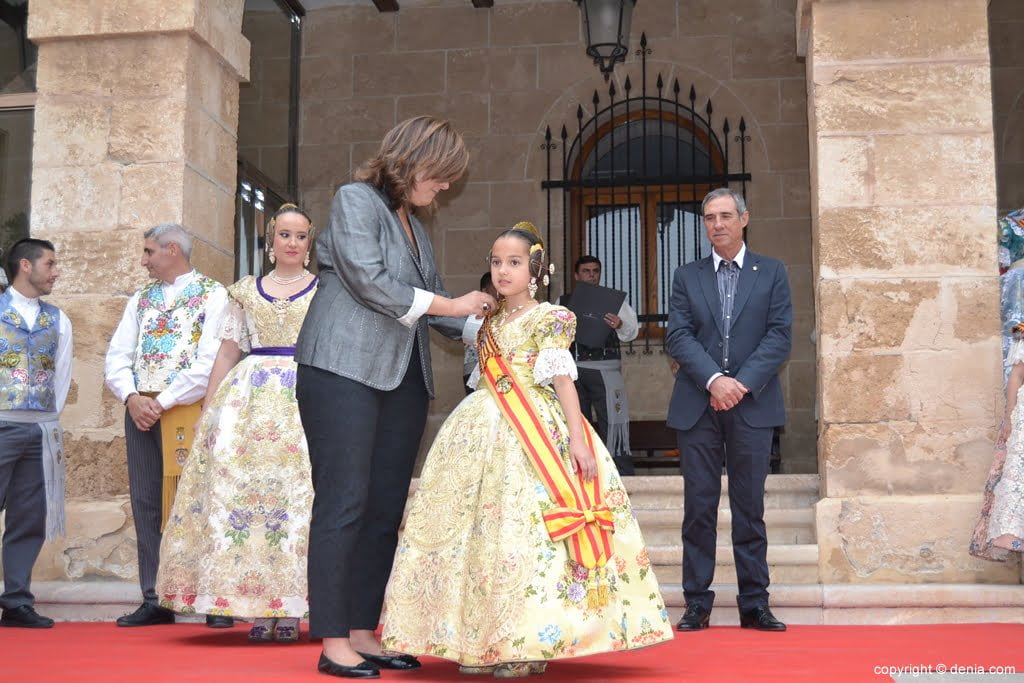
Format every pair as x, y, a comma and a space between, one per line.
472, 304
582, 458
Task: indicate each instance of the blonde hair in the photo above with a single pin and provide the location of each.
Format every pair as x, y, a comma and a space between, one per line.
424, 146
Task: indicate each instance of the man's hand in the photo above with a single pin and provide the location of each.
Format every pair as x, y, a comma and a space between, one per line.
144, 411
614, 321
726, 392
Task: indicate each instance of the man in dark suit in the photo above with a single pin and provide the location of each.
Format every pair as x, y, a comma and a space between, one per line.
730, 330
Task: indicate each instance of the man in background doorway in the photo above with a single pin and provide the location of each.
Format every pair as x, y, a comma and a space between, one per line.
600, 385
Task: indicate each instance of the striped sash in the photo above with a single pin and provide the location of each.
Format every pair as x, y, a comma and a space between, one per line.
580, 517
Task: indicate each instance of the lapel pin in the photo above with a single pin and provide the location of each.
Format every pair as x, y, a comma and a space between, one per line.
754, 268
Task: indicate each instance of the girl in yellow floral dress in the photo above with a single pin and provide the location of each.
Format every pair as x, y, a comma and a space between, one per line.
520, 545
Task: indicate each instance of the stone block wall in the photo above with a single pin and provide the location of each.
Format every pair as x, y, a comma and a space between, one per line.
263, 101
135, 125
502, 75
907, 294
1006, 26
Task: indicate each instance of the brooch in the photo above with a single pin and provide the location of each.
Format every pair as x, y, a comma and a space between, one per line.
503, 384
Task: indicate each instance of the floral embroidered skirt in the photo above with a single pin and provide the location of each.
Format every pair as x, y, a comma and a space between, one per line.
476, 578
236, 540
1000, 527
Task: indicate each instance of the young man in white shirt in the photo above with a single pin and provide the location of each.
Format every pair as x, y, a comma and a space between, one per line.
35, 375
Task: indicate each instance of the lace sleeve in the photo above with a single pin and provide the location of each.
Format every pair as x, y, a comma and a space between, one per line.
474, 378
233, 325
551, 363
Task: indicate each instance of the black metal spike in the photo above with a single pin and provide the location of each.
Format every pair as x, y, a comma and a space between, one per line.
675, 88
611, 90
627, 86
579, 112
547, 134
659, 84
643, 40
725, 127
565, 134
743, 125
693, 96
596, 100
709, 109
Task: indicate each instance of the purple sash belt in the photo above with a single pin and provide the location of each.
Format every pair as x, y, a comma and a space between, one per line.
273, 351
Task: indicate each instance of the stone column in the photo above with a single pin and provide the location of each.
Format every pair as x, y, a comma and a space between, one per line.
135, 124
902, 180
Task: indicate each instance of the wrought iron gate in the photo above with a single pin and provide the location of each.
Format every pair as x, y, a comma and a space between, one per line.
632, 177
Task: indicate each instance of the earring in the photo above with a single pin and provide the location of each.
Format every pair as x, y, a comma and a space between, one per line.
305, 261
270, 255
532, 288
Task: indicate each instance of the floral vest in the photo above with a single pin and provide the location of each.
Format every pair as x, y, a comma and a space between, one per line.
169, 334
28, 358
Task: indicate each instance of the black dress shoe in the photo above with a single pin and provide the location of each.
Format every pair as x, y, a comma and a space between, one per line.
24, 617
147, 615
762, 619
219, 621
400, 662
695, 618
361, 670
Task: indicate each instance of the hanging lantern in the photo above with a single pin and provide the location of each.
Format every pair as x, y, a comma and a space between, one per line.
606, 29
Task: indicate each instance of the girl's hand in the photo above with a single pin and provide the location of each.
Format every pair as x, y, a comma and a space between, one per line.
583, 460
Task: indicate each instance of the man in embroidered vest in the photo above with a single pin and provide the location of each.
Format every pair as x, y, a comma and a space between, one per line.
160, 357
35, 375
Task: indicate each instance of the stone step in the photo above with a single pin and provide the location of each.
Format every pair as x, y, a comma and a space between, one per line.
792, 491
788, 564
873, 604
785, 526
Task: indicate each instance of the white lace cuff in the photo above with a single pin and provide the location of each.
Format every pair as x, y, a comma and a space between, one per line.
1015, 354
551, 363
233, 326
474, 377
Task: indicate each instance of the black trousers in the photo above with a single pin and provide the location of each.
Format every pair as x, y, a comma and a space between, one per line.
746, 450
594, 401
362, 448
145, 486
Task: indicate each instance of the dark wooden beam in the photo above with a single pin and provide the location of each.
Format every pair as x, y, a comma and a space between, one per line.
483, 3
386, 5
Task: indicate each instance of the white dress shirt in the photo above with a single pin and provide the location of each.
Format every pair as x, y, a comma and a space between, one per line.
28, 309
189, 385
630, 328
716, 261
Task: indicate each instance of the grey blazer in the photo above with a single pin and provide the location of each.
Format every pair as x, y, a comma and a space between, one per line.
368, 272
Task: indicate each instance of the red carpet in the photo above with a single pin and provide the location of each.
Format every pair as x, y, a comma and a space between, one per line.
191, 652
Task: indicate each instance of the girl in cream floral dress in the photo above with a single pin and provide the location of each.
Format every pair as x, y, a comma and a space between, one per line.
235, 543
478, 578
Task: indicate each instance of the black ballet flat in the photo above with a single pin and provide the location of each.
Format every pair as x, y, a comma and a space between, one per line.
361, 670
398, 662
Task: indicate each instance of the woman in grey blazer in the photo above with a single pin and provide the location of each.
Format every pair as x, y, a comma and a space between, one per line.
364, 381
